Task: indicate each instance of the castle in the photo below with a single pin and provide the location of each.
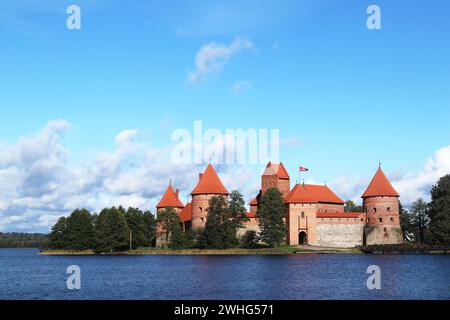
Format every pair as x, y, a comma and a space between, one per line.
315, 215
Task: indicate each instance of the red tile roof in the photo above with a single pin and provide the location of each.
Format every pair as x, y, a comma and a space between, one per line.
186, 213
170, 199
251, 215
309, 193
254, 202
276, 169
210, 183
339, 214
380, 187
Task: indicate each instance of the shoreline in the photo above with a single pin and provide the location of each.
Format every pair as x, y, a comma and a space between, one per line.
284, 250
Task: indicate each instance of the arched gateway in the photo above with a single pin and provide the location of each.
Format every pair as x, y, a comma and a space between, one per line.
302, 238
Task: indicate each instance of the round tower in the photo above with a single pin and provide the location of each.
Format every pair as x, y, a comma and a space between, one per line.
382, 208
209, 186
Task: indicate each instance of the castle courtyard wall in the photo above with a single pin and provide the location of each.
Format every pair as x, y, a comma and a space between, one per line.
344, 233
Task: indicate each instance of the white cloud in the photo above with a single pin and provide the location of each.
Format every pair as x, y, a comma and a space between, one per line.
38, 184
212, 57
238, 88
410, 186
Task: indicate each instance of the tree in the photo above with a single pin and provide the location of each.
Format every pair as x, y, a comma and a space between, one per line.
419, 219
271, 213
57, 238
250, 240
80, 232
439, 213
350, 206
150, 228
112, 231
218, 227
171, 224
406, 223
236, 209
138, 228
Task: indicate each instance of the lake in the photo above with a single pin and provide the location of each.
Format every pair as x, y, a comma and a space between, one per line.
26, 275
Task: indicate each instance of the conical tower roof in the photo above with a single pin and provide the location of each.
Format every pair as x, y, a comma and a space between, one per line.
380, 187
277, 169
210, 183
170, 199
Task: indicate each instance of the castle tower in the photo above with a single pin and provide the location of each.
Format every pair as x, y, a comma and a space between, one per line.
170, 199
209, 186
276, 176
382, 207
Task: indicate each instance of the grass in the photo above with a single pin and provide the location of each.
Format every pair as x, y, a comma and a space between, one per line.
281, 250
67, 252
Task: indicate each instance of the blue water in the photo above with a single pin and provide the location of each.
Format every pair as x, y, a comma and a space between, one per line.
26, 275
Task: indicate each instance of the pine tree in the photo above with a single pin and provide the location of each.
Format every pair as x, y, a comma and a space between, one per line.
217, 232
80, 232
112, 231
419, 219
58, 236
271, 213
171, 224
138, 228
150, 228
439, 213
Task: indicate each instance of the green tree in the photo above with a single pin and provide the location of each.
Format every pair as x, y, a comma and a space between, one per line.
271, 213
419, 219
218, 226
406, 223
150, 228
138, 228
171, 225
58, 236
250, 240
112, 231
350, 206
439, 225
80, 231
236, 210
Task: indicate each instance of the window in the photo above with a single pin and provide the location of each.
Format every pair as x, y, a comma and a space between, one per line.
303, 215
389, 209
201, 209
374, 210
381, 220
392, 220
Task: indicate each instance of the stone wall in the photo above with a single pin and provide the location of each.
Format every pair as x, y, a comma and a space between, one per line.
339, 235
383, 235
252, 225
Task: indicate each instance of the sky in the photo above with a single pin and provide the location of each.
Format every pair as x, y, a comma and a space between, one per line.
87, 116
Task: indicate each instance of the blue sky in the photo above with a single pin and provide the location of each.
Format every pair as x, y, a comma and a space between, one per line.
347, 96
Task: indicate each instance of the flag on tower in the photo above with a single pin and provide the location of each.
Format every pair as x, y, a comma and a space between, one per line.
303, 169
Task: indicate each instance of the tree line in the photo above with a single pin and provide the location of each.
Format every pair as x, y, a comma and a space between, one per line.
224, 221
429, 223
112, 230
22, 240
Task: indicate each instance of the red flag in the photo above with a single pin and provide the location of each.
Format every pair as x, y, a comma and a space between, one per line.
302, 169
